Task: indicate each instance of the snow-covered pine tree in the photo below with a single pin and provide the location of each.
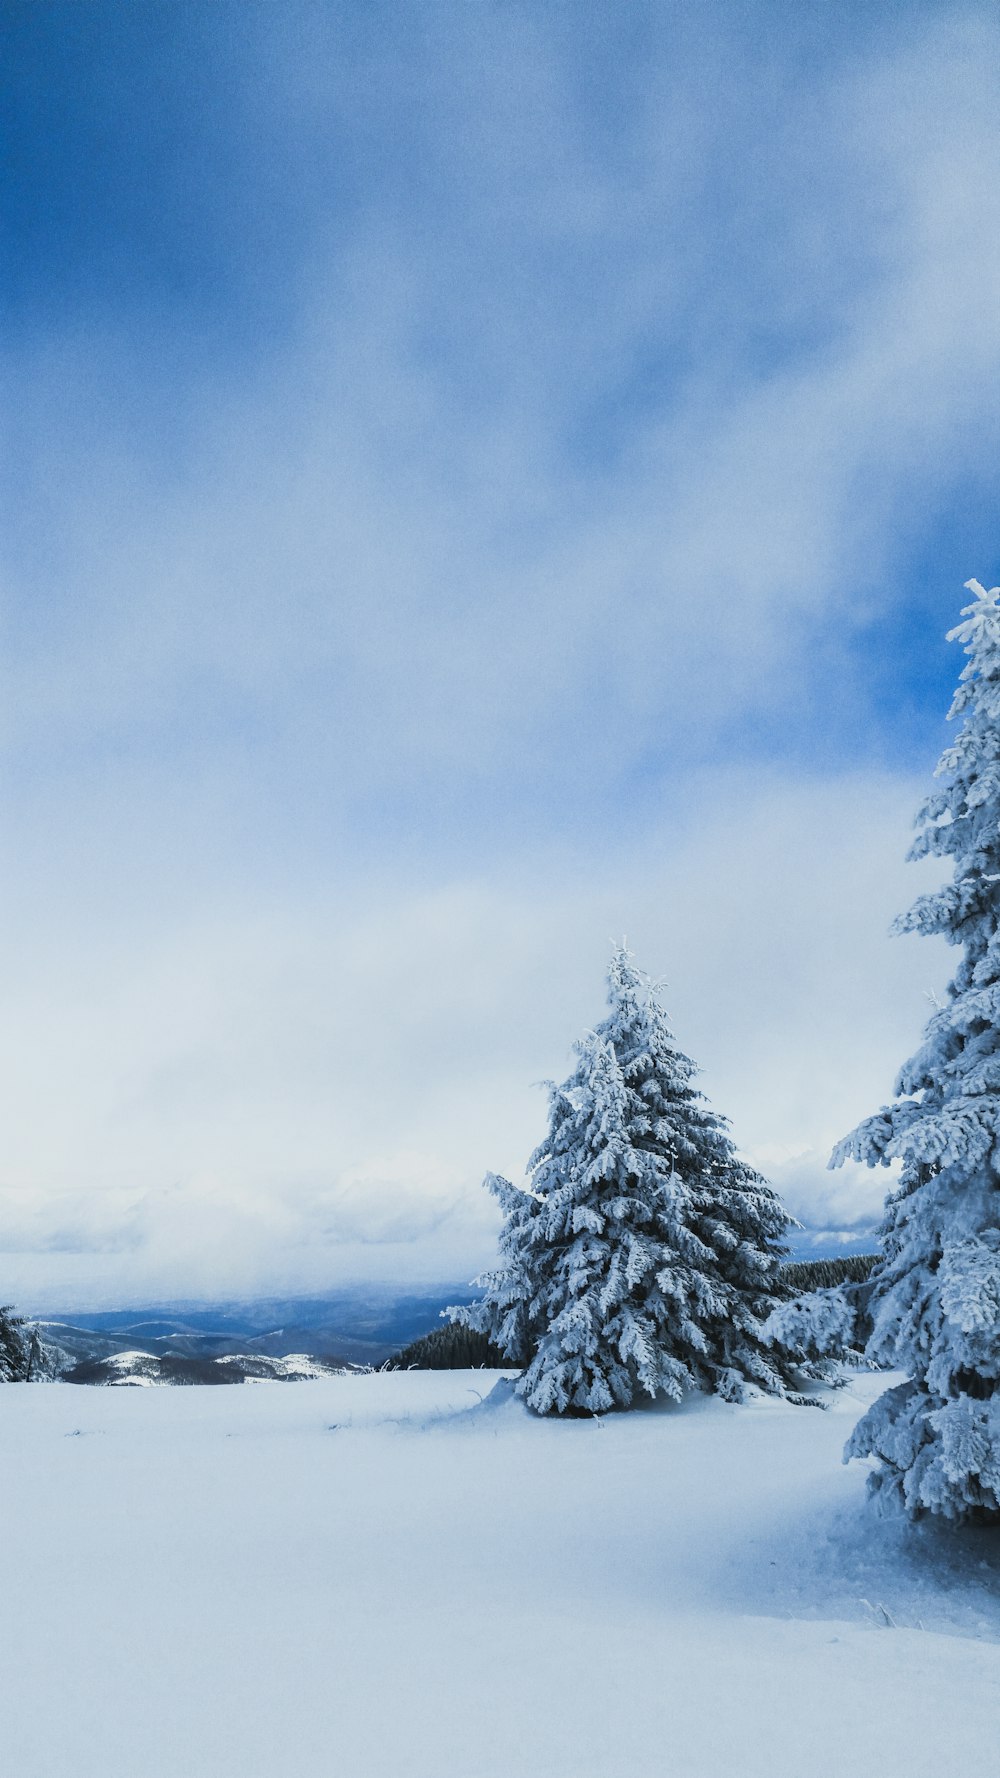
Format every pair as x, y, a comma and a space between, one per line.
15, 1347
936, 1290
819, 1325
643, 1256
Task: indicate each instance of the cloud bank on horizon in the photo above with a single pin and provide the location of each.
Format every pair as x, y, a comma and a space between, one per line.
485, 480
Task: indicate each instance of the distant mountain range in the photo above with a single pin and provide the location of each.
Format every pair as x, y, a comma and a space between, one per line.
813, 1243
202, 1342
142, 1368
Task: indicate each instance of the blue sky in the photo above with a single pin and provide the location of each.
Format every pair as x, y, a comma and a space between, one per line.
483, 478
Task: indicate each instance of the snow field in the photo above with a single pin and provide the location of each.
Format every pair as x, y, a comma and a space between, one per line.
379, 1575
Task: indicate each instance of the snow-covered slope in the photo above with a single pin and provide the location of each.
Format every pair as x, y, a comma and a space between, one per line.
382, 1575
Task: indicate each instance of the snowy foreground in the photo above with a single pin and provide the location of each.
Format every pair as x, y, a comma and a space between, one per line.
381, 1574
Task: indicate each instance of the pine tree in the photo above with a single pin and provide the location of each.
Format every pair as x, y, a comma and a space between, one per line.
15, 1348
936, 1289
643, 1257
819, 1325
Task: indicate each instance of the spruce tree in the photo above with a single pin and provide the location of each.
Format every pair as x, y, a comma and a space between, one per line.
15, 1348
643, 1256
936, 1289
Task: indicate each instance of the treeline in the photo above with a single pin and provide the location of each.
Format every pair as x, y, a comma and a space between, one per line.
827, 1274
450, 1348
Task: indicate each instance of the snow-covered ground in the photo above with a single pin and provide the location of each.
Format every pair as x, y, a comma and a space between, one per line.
381, 1575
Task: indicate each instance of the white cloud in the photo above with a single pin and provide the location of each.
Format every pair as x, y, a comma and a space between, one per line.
282, 1086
